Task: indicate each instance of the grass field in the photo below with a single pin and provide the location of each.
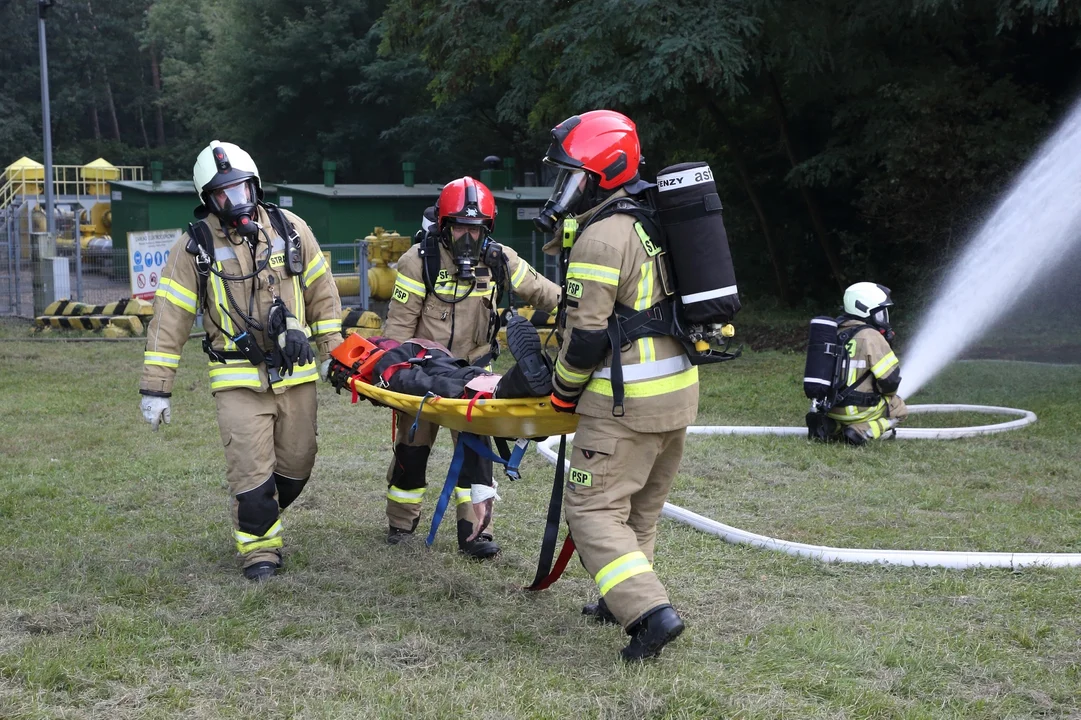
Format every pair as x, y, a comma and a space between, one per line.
120, 596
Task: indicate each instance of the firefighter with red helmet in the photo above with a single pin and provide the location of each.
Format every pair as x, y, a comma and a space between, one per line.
626, 451
448, 291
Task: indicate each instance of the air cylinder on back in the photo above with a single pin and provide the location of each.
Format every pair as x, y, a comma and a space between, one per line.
689, 210
822, 352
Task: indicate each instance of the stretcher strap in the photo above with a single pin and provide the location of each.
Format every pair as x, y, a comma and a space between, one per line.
565, 555
472, 402
420, 408
546, 574
448, 488
469, 441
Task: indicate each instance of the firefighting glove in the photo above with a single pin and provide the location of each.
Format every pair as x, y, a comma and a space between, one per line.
286, 332
155, 409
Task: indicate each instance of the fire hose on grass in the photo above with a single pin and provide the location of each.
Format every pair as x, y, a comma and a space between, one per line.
923, 558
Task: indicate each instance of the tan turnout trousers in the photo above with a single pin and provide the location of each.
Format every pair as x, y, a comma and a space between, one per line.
615, 491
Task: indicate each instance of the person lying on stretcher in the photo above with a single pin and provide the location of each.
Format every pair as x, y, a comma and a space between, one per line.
419, 367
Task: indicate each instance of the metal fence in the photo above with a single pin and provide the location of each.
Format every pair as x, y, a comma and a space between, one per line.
36, 268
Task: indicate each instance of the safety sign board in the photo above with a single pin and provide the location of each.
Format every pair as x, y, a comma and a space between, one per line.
147, 254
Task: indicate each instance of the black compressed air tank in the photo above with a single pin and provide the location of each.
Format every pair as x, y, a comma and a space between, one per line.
689, 210
822, 352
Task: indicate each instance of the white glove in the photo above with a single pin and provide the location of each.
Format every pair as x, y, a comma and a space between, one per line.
324, 368
481, 493
155, 409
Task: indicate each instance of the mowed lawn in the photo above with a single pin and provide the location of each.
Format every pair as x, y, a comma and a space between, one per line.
120, 596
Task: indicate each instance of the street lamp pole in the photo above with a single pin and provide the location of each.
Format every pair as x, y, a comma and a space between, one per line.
46, 122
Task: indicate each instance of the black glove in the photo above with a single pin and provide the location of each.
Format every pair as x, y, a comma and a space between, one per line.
286, 332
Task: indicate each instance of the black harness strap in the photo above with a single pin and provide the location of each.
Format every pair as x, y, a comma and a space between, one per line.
551, 528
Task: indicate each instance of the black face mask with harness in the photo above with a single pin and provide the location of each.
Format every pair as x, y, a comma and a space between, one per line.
201, 245
496, 270
680, 226
825, 381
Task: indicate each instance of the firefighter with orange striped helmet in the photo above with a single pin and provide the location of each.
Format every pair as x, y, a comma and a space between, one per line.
626, 449
868, 406
448, 291
257, 274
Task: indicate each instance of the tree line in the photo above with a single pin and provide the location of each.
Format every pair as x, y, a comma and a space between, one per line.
850, 139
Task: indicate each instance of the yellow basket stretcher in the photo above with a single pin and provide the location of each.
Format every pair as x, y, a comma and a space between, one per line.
509, 418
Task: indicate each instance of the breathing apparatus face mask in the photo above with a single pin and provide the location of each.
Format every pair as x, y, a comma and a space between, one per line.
235, 207
880, 318
569, 190
466, 242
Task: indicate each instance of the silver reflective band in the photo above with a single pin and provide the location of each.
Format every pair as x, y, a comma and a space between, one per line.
817, 381
686, 178
224, 253
708, 295
831, 323
648, 370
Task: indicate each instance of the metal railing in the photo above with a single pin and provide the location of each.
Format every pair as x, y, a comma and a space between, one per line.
76, 182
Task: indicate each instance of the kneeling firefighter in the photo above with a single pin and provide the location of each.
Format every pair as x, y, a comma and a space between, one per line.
852, 373
624, 365
258, 276
448, 291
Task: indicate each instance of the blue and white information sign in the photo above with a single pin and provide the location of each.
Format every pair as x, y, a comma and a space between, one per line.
147, 254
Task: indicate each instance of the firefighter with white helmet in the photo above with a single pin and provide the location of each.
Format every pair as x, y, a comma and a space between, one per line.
257, 274
866, 405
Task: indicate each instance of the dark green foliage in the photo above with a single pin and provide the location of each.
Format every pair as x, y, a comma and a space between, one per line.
851, 139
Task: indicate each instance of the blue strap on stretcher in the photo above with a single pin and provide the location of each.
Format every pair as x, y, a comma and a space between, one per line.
474, 443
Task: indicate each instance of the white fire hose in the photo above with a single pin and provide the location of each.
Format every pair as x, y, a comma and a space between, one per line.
926, 558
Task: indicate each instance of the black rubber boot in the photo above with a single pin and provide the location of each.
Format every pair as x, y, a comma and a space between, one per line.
599, 612
260, 571
481, 547
820, 427
531, 375
854, 437
398, 535
657, 628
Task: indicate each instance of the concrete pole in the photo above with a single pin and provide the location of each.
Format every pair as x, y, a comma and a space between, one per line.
46, 121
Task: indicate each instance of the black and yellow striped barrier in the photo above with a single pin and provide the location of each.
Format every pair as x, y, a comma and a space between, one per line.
128, 323
125, 306
364, 322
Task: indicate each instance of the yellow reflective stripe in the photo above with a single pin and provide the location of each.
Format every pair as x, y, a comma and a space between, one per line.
300, 300
883, 366
168, 360
177, 294
462, 495
301, 374
246, 543
406, 497
850, 414
645, 287
518, 275
218, 290
455, 290
647, 388
596, 273
853, 374
569, 376
315, 270
410, 285
321, 327
646, 350
234, 375
620, 569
